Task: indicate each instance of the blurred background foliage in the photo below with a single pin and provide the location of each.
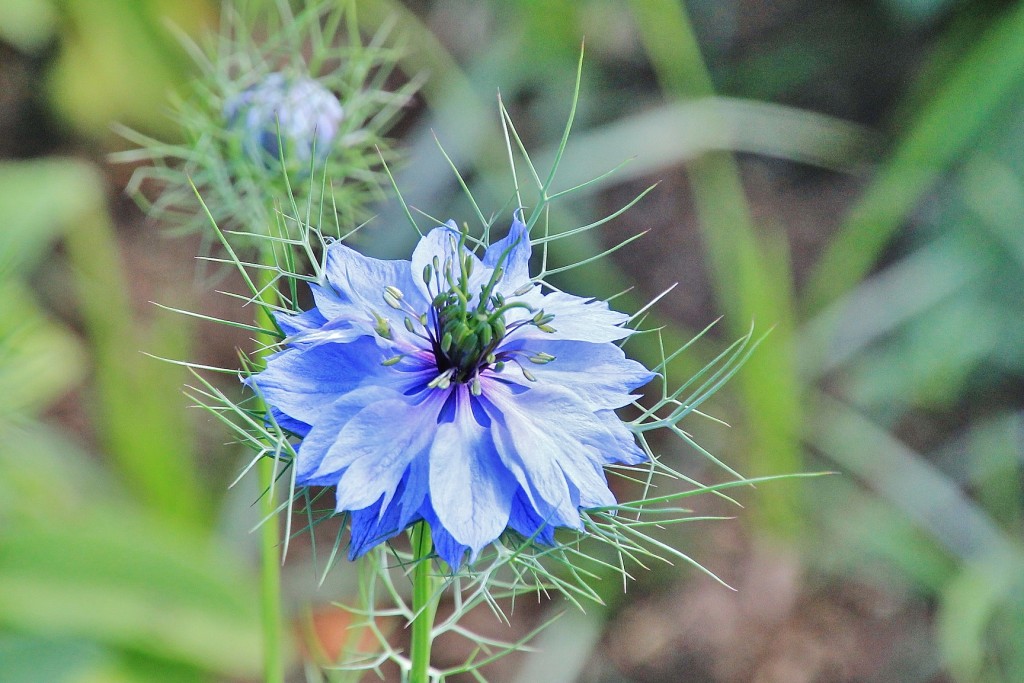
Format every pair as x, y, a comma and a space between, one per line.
850, 174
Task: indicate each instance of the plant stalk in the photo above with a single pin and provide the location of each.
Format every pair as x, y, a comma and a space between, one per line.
270, 563
424, 604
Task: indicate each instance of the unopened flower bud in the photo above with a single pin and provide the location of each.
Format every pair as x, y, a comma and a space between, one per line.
298, 111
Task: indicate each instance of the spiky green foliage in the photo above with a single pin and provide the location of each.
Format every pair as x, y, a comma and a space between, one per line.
617, 540
322, 41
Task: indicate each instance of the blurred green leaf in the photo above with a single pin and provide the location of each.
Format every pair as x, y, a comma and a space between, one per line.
127, 582
970, 604
118, 61
26, 659
39, 360
38, 200
27, 24
79, 562
140, 412
955, 118
749, 268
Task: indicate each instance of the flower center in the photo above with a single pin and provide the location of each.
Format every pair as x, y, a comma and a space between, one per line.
464, 327
466, 337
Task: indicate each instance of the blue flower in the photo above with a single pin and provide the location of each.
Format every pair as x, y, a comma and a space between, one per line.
455, 390
306, 113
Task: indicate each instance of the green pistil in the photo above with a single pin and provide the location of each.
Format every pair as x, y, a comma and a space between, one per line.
464, 338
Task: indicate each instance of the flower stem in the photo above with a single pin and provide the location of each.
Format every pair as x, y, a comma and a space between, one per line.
270, 579
270, 563
424, 604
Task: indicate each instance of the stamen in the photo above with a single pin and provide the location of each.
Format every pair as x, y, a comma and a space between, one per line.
442, 381
381, 326
393, 297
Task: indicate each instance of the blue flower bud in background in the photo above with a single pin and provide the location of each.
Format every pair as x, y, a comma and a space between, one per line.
296, 113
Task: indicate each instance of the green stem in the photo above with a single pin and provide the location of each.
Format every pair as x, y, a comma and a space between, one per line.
270, 566
149, 443
270, 579
424, 604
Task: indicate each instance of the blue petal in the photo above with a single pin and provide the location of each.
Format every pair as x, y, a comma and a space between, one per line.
470, 488
446, 547
600, 374
381, 521
576, 318
371, 526
443, 242
296, 427
376, 446
525, 520
302, 382
517, 262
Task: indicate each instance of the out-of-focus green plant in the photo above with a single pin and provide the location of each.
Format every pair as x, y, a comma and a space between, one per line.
94, 583
936, 330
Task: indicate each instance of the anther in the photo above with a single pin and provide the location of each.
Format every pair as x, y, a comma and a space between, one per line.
381, 326
442, 381
393, 296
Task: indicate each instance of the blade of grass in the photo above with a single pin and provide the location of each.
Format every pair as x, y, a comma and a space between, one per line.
948, 124
750, 273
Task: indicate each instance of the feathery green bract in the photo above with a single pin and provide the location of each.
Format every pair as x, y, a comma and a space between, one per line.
617, 539
319, 46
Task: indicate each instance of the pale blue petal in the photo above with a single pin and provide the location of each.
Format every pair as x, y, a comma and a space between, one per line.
576, 318
619, 446
517, 263
528, 453
443, 242
470, 488
553, 424
376, 446
292, 324
354, 287
302, 382
600, 374
325, 430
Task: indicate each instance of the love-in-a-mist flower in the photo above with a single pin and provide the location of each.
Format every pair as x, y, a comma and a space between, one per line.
289, 118
453, 389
